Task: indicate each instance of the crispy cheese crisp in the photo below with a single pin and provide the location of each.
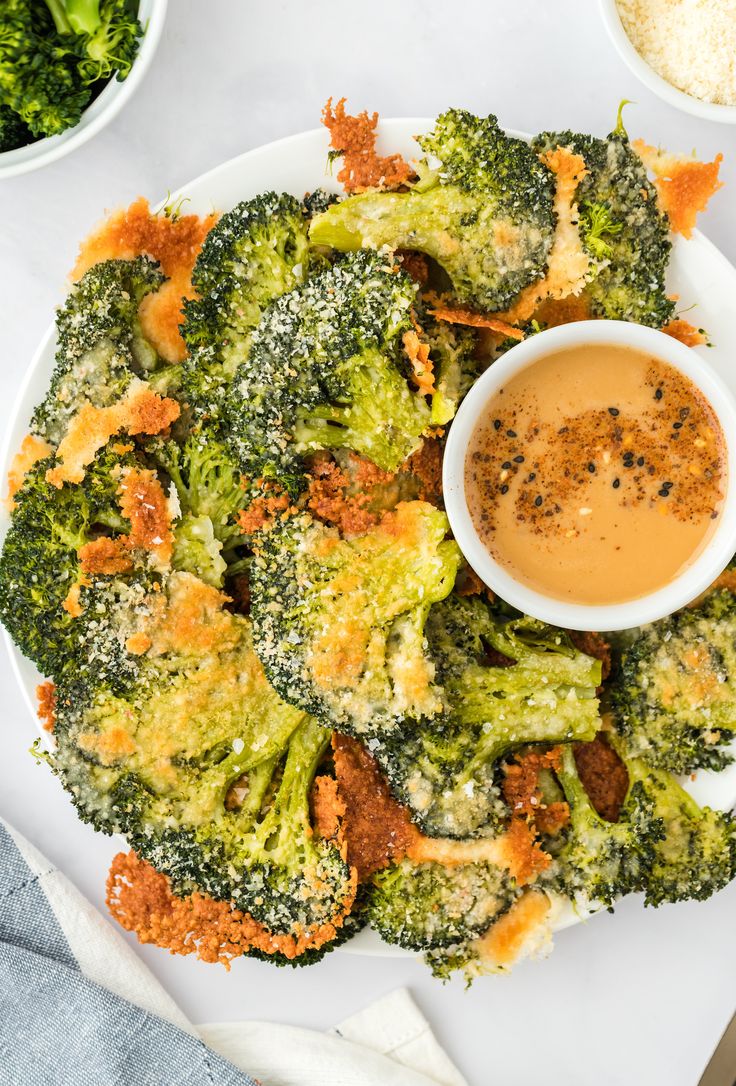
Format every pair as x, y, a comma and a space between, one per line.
683, 184
354, 140
174, 242
141, 901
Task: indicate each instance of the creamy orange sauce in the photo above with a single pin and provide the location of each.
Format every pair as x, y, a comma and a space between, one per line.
596, 475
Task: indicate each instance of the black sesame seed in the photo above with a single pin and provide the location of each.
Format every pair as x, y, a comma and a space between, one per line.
658, 394
613, 411
506, 464
667, 486
676, 425
663, 493
616, 484
532, 476
504, 489
496, 424
518, 459
640, 461
511, 433
538, 500
591, 467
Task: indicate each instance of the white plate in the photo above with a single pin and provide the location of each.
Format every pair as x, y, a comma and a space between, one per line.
699, 274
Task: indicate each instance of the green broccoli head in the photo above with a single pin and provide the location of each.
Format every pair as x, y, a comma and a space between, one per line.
485, 214
339, 623
100, 345
39, 76
327, 369
674, 698
210, 493
107, 36
40, 567
426, 906
102, 35
602, 861
622, 228
13, 131
204, 769
255, 253
452, 350
506, 682
695, 855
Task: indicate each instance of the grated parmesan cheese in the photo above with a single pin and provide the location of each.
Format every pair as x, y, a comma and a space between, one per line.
690, 43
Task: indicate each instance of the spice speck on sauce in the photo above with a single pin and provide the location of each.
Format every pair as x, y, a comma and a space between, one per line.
578, 417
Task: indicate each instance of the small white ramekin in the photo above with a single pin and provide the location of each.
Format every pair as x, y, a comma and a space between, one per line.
708, 111
694, 579
107, 105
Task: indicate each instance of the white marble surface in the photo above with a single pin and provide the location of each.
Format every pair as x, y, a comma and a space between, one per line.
639, 997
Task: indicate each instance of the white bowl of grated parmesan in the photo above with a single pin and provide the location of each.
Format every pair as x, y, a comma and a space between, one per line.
684, 51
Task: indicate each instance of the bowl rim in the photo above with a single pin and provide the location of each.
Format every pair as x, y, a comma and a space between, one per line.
108, 103
657, 84
691, 581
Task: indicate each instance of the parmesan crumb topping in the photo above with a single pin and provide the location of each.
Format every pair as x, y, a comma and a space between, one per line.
690, 43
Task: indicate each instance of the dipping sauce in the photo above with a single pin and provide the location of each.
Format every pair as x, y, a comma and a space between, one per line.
596, 474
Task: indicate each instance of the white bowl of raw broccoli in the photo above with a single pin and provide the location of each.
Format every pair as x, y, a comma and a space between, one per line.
49, 106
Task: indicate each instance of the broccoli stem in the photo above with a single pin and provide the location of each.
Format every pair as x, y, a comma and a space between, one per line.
58, 14
75, 16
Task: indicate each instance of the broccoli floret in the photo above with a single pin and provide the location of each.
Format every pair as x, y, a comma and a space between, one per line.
601, 861
339, 623
485, 215
101, 347
506, 682
40, 568
327, 370
255, 253
39, 77
205, 770
351, 925
102, 34
210, 491
452, 350
621, 226
674, 698
696, 853
198, 550
429, 905
316, 202
13, 131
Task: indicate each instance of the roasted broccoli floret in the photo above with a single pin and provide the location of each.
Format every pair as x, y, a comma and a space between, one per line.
506, 682
695, 855
339, 623
255, 253
674, 698
204, 769
452, 350
327, 369
621, 226
61, 621
13, 131
101, 347
601, 861
484, 214
424, 906
210, 493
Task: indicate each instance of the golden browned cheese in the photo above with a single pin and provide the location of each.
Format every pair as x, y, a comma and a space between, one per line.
596, 475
